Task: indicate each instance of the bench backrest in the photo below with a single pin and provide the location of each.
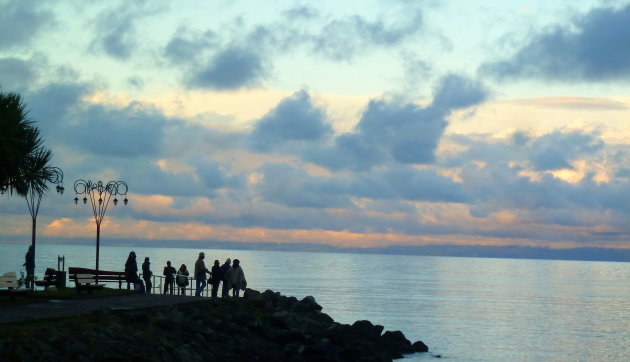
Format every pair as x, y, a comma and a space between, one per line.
8, 280
84, 279
102, 274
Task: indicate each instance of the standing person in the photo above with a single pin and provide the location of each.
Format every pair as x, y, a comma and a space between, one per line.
237, 278
169, 280
215, 278
29, 263
131, 272
147, 274
200, 274
225, 291
182, 279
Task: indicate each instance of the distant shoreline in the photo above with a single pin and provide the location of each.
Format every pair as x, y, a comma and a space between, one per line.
472, 251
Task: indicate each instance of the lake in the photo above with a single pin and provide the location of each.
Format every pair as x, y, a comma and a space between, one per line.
468, 309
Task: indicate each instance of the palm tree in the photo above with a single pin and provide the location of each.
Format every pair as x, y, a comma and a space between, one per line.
24, 163
35, 174
18, 139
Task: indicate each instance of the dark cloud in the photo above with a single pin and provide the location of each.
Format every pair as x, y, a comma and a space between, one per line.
294, 119
424, 185
186, 46
242, 55
293, 187
20, 23
132, 131
52, 106
116, 28
17, 74
148, 179
556, 150
593, 48
231, 68
289, 186
406, 133
500, 185
214, 175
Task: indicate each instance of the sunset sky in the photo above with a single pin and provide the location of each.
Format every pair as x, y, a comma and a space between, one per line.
349, 123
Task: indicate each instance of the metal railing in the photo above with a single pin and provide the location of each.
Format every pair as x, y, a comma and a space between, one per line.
158, 288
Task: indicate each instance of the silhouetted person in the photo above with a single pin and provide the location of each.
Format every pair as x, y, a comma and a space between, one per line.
147, 274
225, 290
236, 276
169, 279
29, 264
200, 274
215, 277
131, 272
182, 279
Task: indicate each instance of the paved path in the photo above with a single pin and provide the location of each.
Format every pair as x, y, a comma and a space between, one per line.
55, 308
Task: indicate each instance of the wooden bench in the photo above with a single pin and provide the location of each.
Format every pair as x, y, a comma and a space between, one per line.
104, 276
50, 278
9, 281
86, 282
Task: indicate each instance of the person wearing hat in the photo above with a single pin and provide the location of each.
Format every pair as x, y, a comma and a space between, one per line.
200, 274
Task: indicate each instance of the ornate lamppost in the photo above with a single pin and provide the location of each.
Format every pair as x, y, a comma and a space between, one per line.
99, 195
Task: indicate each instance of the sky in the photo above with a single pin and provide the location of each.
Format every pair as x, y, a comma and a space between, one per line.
352, 124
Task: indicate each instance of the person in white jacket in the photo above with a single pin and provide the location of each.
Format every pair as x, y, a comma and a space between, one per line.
236, 278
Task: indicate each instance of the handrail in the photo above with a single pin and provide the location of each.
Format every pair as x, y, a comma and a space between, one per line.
188, 290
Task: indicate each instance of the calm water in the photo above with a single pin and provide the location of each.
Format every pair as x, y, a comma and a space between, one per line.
462, 308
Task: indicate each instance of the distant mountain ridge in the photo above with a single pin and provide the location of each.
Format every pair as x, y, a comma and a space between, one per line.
478, 251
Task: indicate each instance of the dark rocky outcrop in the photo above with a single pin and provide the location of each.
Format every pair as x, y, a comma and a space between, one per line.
258, 327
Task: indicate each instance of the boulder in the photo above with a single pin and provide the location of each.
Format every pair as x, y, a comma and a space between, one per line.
419, 346
396, 341
367, 329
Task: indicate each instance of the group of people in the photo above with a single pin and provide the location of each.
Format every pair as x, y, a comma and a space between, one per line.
230, 274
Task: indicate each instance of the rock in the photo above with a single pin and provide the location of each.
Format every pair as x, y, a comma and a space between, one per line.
308, 304
283, 314
419, 346
250, 293
367, 329
396, 341
260, 326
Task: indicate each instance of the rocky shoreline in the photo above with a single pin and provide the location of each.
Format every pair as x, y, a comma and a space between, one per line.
258, 327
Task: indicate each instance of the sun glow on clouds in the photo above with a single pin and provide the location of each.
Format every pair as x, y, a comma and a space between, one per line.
195, 231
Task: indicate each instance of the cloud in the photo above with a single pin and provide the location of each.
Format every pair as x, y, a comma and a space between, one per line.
21, 22
214, 175
242, 56
586, 103
289, 186
294, 119
16, 73
403, 132
231, 68
129, 132
591, 49
186, 45
342, 39
116, 29
556, 150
